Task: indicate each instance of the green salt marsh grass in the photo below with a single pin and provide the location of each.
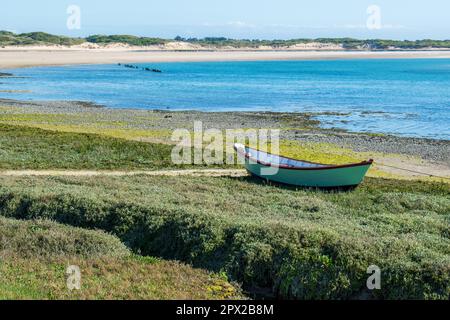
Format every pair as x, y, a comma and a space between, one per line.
33, 148
35, 254
302, 244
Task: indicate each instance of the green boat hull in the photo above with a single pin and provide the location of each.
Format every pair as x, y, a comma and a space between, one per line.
321, 178
302, 173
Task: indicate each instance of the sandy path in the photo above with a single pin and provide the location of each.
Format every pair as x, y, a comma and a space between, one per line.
413, 167
402, 174
28, 58
116, 173
410, 171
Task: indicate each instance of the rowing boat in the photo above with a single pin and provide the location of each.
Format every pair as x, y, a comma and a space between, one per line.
296, 172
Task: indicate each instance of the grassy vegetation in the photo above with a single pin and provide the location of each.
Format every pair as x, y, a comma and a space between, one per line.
34, 256
106, 278
32, 148
295, 243
36, 38
131, 40
42, 38
347, 43
44, 239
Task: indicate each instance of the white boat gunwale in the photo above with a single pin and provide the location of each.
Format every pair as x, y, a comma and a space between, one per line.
241, 150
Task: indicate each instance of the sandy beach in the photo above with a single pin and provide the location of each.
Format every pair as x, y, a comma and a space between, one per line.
45, 56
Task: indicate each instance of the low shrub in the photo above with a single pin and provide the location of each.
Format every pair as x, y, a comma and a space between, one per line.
45, 239
258, 234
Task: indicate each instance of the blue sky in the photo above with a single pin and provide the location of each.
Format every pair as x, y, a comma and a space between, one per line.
262, 19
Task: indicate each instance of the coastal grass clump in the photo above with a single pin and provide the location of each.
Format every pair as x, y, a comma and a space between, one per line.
294, 243
44, 238
8, 38
133, 278
126, 39
32, 148
35, 254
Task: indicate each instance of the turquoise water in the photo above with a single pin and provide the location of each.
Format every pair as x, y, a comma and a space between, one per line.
404, 97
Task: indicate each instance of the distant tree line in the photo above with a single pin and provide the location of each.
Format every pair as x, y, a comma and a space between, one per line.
36, 38
131, 40
347, 43
41, 38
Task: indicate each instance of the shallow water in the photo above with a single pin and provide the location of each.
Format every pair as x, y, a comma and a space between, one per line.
404, 97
